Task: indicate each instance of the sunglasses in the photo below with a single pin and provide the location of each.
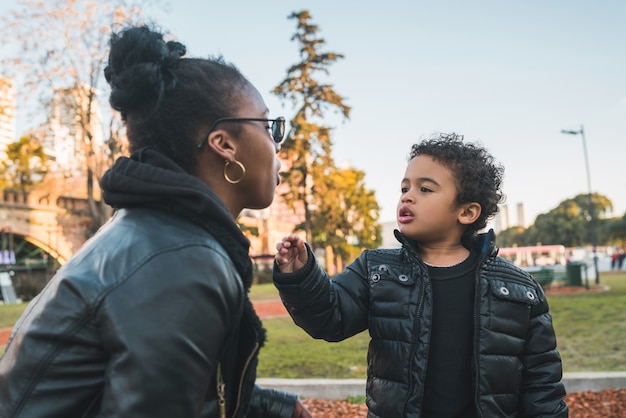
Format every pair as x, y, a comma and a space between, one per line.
276, 129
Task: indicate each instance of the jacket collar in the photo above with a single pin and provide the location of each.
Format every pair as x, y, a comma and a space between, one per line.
485, 243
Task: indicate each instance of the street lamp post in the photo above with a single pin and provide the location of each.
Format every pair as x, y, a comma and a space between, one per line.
592, 215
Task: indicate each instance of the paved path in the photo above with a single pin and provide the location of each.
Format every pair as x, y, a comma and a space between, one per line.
4, 336
270, 308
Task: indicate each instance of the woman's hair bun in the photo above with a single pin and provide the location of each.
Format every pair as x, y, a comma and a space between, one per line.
141, 68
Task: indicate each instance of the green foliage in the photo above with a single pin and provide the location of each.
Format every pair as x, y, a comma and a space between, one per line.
25, 166
612, 231
511, 237
252, 230
348, 221
569, 224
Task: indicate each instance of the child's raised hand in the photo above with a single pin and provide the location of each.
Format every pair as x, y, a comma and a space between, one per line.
291, 254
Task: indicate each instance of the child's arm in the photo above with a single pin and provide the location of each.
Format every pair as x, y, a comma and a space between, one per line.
542, 391
318, 304
291, 254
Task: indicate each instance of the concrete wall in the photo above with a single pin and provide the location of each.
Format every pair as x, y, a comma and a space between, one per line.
335, 389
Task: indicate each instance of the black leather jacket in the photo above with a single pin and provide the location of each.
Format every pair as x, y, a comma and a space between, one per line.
517, 369
135, 325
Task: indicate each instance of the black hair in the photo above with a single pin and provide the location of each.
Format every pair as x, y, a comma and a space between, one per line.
166, 101
478, 176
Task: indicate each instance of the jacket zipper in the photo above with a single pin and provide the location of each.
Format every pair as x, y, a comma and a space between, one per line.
414, 341
477, 336
221, 391
243, 374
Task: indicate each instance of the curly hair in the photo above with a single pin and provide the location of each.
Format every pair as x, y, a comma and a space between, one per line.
166, 101
478, 176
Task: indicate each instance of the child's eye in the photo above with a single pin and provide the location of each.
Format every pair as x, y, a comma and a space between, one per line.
425, 190
404, 189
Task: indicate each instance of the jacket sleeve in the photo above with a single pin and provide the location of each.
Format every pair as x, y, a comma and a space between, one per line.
330, 309
271, 403
542, 393
163, 328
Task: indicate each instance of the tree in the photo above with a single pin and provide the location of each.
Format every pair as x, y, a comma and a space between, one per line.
569, 224
513, 236
347, 221
308, 151
59, 49
25, 164
612, 231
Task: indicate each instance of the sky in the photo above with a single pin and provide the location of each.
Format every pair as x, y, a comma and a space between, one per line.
507, 74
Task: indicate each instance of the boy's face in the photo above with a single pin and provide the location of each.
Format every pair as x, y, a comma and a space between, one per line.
427, 210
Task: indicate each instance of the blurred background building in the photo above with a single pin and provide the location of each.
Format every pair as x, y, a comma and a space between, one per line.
7, 114
64, 134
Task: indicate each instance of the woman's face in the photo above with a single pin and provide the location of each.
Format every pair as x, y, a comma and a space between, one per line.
257, 152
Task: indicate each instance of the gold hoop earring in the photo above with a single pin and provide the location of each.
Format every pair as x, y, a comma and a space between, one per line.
238, 164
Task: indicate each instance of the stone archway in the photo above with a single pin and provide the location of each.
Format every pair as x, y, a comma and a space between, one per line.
59, 228
26, 266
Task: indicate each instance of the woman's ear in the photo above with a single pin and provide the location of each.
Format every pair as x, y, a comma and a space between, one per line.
469, 213
222, 144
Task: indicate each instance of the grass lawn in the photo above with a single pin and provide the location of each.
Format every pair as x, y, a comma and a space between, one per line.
10, 313
590, 328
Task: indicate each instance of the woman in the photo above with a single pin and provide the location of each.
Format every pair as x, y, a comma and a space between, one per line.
151, 317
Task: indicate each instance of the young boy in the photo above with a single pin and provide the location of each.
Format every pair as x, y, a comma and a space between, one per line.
456, 331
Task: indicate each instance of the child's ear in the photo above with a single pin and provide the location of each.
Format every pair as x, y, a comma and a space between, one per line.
469, 213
